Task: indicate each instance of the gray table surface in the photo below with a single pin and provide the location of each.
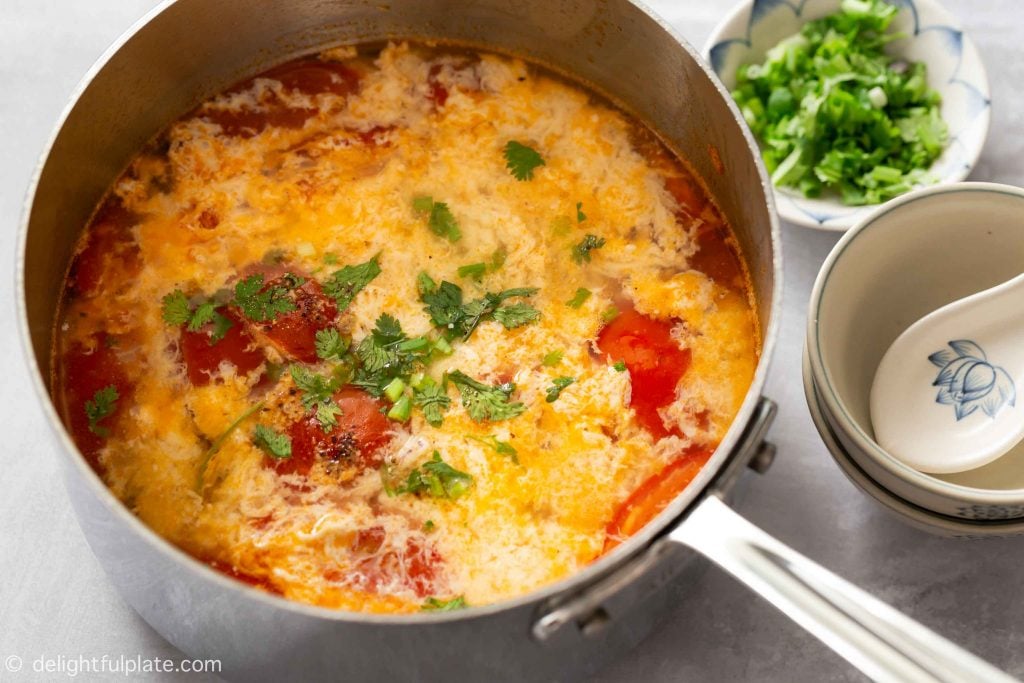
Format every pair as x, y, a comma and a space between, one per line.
56, 601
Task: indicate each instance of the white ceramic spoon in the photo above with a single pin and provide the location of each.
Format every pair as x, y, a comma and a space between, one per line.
944, 397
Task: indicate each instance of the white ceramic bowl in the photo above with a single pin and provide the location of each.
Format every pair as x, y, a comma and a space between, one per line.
906, 259
917, 517
934, 37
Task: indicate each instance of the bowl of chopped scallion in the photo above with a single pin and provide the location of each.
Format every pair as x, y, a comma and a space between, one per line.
853, 102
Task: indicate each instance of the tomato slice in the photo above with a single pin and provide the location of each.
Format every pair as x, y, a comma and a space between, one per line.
687, 193
313, 76
245, 123
653, 496
356, 441
203, 359
415, 567
307, 76
85, 370
110, 245
654, 360
717, 258
436, 93
294, 333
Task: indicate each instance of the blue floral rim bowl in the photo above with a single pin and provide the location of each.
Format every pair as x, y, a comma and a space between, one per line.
933, 36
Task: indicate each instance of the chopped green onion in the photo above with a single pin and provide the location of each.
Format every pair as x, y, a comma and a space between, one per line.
442, 346
401, 410
473, 270
581, 296
394, 389
414, 344
833, 113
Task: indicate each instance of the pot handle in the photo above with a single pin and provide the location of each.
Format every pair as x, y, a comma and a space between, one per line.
874, 637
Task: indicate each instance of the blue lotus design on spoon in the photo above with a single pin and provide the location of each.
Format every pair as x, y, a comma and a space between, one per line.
967, 381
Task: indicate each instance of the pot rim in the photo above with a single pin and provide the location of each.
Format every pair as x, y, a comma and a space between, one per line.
564, 586
823, 377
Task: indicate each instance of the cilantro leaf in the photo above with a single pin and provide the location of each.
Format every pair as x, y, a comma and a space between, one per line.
833, 111
609, 314
447, 309
261, 304
440, 218
516, 315
203, 314
433, 604
315, 388
425, 284
433, 400
221, 325
349, 281
387, 353
580, 216
484, 402
326, 414
500, 447
498, 258
176, 309
442, 222
275, 444
521, 160
557, 386
330, 344
102, 404
511, 293
444, 304
388, 329
581, 251
437, 479
552, 359
581, 296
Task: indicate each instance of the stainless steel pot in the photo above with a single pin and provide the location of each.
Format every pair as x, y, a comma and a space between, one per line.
187, 50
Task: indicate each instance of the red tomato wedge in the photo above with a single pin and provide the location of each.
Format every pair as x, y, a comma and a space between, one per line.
414, 568
437, 93
717, 258
356, 440
245, 123
687, 193
654, 360
653, 496
110, 246
294, 333
314, 76
306, 76
202, 359
84, 371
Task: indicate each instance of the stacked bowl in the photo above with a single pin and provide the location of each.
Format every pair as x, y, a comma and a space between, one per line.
906, 259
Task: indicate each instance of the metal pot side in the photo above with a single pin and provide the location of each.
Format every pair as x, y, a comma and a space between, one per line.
187, 50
